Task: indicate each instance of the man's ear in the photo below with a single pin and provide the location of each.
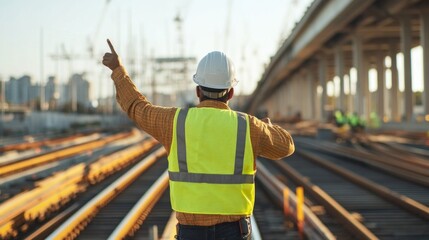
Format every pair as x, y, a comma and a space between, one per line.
230, 93
198, 91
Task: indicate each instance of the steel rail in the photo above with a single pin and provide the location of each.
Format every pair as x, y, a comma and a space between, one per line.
135, 216
402, 157
27, 145
394, 162
313, 227
332, 206
62, 186
44, 171
30, 203
85, 214
372, 160
414, 150
30, 153
387, 194
59, 154
43, 232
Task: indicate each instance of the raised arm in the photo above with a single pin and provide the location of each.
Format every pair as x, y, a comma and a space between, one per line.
150, 118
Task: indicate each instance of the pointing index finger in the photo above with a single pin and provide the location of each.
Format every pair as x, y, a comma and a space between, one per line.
111, 46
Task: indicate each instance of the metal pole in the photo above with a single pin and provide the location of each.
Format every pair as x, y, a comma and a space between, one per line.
153, 84
2, 105
42, 88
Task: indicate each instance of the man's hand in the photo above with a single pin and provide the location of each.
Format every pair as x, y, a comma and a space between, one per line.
111, 60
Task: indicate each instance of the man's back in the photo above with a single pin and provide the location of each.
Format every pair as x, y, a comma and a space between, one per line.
212, 153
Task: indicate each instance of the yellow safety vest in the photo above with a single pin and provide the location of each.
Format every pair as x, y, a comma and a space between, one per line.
211, 162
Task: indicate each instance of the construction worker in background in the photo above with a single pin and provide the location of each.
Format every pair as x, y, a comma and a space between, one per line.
374, 120
341, 124
340, 118
356, 123
211, 149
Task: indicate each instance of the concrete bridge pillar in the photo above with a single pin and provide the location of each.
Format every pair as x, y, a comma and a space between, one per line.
406, 50
394, 91
424, 33
339, 72
381, 83
360, 73
322, 83
366, 96
312, 88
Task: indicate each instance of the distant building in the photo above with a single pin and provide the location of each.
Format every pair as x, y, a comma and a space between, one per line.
52, 92
34, 95
78, 91
11, 90
18, 90
51, 89
74, 96
2, 93
108, 105
62, 93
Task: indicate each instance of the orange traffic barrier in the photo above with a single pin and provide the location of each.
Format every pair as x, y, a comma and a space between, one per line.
300, 210
286, 201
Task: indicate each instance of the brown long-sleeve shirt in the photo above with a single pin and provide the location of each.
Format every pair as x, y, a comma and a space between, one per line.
270, 141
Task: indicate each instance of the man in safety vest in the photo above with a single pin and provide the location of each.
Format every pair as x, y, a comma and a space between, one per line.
211, 149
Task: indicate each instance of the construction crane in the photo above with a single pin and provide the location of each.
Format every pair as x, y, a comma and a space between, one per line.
92, 41
175, 67
228, 25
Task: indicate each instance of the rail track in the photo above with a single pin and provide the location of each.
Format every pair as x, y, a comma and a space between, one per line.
19, 165
388, 206
100, 216
330, 220
412, 171
126, 211
110, 216
343, 204
49, 195
22, 181
39, 142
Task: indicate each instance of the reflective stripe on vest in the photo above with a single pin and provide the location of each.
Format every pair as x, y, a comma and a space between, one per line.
227, 187
184, 176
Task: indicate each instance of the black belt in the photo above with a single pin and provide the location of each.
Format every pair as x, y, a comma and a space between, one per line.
232, 230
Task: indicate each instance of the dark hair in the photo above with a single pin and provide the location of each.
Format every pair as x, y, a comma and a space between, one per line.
224, 98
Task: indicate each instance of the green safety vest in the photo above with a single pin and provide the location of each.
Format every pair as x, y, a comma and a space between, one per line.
211, 162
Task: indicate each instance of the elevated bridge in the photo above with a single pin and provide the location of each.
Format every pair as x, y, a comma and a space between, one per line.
324, 64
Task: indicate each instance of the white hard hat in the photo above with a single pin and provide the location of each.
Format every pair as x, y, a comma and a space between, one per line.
215, 70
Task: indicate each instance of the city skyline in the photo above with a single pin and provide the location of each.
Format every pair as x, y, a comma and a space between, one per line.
74, 94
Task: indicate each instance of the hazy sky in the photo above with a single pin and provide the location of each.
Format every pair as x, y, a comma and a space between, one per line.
251, 37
